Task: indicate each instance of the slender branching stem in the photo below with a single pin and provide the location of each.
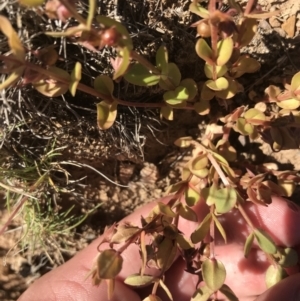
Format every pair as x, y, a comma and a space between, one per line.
245, 216
218, 169
212, 234
90, 90
155, 287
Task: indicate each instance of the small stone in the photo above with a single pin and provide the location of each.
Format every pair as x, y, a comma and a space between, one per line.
274, 22
289, 26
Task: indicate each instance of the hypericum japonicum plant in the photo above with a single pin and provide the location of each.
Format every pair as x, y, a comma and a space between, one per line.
208, 178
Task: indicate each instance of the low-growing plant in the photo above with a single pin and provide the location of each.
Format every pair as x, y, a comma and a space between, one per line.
215, 175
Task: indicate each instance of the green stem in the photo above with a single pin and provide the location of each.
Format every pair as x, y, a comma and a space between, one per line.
214, 36
212, 234
155, 287
245, 216
90, 90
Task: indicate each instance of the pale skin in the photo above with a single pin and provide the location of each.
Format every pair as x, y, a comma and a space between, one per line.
245, 276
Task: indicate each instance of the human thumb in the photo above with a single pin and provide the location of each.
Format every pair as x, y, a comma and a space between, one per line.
287, 289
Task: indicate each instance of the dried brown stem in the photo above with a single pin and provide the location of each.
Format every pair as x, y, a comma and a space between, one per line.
249, 7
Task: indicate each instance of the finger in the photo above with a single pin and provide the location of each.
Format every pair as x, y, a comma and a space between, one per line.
69, 279
246, 277
281, 219
59, 285
287, 289
67, 282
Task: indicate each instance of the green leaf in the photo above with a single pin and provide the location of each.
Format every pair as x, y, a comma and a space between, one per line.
187, 213
166, 254
244, 64
176, 97
52, 87
191, 87
141, 76
248, 244
199, 10
184, 141
229, 294
230, 91
202, 107
125, 61
254, 116
246, 32
31, 3
295, 84
13, 40
167, 112
106, 114
288, 257
202, 294
109, 264
243, 127
104, 85
220, 70
136, 280
75, 78
175, 187
214, 273
225, 200
14, 76
192, 197
274, 274
206, 95
265, 242
224, 51
164, 209
123, 233
162, 59
198, 166
204, 51
289, 104
219, 84
202, 230
171, 79
220, 228
183, 242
